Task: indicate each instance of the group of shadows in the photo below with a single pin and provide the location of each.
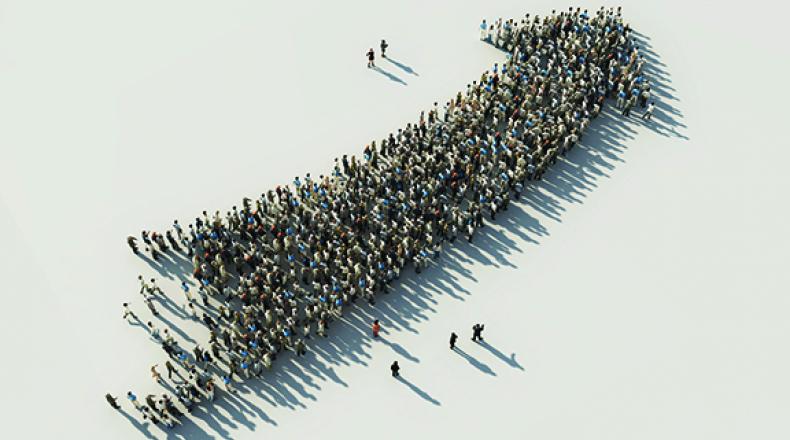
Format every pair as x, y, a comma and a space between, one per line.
293, 381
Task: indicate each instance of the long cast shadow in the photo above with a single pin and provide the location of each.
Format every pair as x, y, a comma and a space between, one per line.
390, 75
510, 360
474, 362
402, 66
418, 391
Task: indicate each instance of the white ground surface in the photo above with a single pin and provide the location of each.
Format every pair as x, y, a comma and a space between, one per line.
640, 293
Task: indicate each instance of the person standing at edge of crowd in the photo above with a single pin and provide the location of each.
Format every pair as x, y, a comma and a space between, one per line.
453, 338
371, 58
395, 368
376, 328
128, 312
132, 242
113, 401
649, 112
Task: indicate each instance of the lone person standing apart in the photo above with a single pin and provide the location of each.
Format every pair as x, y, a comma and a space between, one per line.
477, 331
371, 57
395, 368
453, 338
384, 47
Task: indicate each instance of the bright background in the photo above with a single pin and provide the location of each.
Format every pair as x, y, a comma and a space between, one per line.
639, 292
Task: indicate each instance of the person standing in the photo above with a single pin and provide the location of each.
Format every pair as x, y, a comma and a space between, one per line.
185, 288
228, 384
484, 30
395, 368
376, 328
171, 369
113, 401
453, 338
132, 242
301, 350
371, 58
649, 112
384, 47
132, 398
477, 331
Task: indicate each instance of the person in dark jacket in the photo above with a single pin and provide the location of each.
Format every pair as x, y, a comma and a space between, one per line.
477, 331
395, 368
371, 57
453, 338
384, 47
112, 401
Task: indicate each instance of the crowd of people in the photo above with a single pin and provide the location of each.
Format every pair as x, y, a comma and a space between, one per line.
277, 270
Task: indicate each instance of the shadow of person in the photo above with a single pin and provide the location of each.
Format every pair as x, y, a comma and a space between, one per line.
475, 363
418, 391
397, 348
510, 360
402, 66
389, 75
142, 427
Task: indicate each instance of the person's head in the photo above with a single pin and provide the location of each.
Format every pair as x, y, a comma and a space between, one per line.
150, 324
152, 280
376, 321
126, 304
140, 277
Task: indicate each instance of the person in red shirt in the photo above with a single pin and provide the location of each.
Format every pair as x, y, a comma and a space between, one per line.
376, 328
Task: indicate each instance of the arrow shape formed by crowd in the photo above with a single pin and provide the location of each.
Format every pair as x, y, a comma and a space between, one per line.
282, 266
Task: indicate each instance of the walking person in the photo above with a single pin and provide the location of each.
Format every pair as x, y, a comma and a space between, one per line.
171, 369
453, 338
154, 330
150, 303
128, 312
113, 401
477, 331
155, 374
371, 58
384, 47
376, 328
395, 368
